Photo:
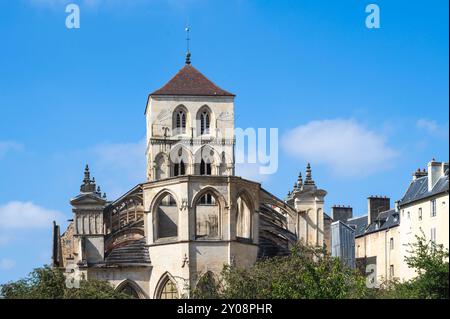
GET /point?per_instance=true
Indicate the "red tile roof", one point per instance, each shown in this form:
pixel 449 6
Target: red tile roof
pixel 189 81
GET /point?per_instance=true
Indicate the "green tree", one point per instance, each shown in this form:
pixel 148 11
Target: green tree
pixel 430 261
pixel 306 273
pixel 49 283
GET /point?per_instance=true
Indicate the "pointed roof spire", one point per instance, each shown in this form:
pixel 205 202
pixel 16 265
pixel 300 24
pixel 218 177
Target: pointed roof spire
pixel 188 51
pixel 308 179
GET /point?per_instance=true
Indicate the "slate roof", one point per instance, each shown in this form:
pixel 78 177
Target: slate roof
pixel 418 189
pixel 135 252
pixel 359 223
pixel 385 220
pixel 189 81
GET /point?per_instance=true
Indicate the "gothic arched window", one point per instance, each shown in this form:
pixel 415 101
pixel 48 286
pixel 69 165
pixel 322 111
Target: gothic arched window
pixel 130 291
pixel 180 122
pixel 243 218
pixel 166 218
pixel 207 217
pixel 169 290
pixel 205 168
pixel 179 168
pixel 205 119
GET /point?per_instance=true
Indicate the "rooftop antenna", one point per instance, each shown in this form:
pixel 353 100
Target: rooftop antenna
pixel 188 52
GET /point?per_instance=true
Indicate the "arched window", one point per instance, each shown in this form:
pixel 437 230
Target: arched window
pixel 206 287
pixel 179 159
pixel 204 122
pixel 243 218
pixel 180 122
pixel 168 290
pixel 160 167
pixel 179 168
pixel 129 290
pixel 205 168
pixel 180 116
pixel 207 217
pixel 204 159
pixel 166 218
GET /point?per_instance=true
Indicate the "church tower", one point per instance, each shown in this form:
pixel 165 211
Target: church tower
pixel 190 127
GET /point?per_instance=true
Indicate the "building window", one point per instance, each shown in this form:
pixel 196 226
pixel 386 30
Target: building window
pixel 420 213
pixel 166 218
pixel 207 199
pixel 391 243
pixel 180 122
pixel 243 218
pixel 179 168
pixel 204 122
pixel 433 208
pixel 207 217
pixel 130 291
pixel 408 215
pixel 391 271
pixel 169 291
pixel 205 168
pixel 433 234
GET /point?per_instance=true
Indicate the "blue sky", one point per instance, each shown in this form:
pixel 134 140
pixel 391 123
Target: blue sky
pixel 367 107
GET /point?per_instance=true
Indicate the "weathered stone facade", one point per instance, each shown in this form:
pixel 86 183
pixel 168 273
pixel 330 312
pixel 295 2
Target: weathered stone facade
pixel 192 216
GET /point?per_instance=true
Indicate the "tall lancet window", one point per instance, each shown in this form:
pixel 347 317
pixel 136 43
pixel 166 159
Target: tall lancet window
pixel 205 168
pixel 179 169
pixel 179 166
pixel 204 122
pixel 179 120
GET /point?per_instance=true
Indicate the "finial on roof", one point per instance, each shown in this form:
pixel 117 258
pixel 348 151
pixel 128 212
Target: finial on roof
pixel 88 185
pixel 308 179
pixel 87 177
pixel 299 180
pixel 188 51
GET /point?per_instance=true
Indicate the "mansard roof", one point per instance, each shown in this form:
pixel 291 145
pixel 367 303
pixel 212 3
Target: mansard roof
pixel 385 220
pixel 191 82
pixel 418 189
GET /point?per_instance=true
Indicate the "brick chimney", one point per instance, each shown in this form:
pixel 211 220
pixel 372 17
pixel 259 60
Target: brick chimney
pixel 342 213
pixel 419 173
pixel 376 205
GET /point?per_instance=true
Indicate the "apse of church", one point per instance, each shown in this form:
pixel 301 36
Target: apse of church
pixel 192 215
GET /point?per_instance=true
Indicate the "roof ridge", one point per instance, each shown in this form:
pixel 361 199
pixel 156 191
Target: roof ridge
pixel 190 81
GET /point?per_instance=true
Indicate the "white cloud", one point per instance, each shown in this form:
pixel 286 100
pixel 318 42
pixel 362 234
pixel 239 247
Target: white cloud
pixel 9 146
pixel 432 127
pixel 7 264
pixel 346 147
pixel 26 215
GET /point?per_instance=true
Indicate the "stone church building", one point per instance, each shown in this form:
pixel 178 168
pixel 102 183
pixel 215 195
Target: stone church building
pixel 192 215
